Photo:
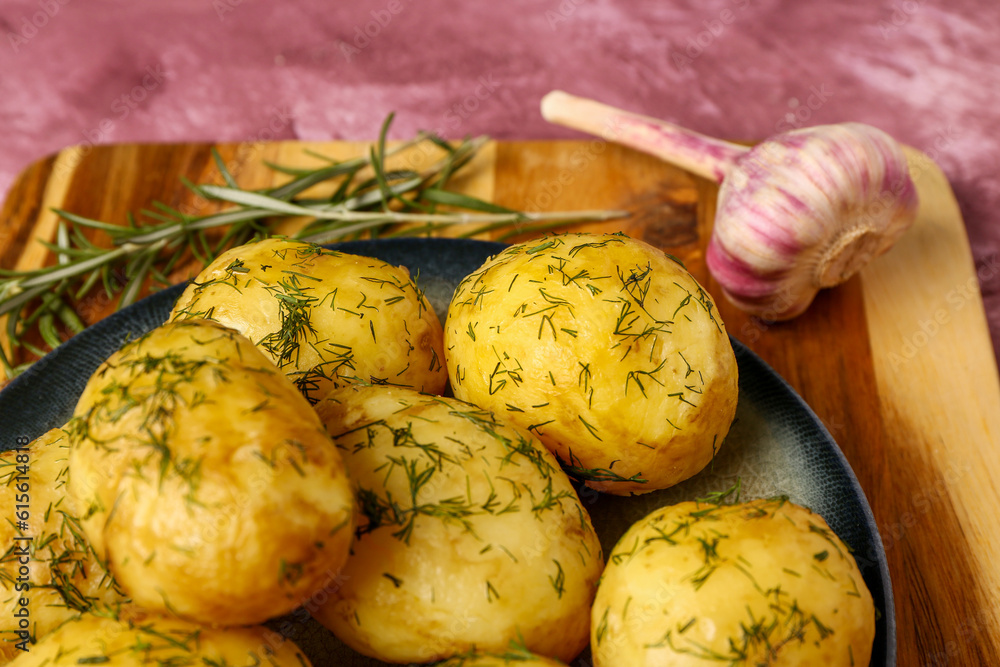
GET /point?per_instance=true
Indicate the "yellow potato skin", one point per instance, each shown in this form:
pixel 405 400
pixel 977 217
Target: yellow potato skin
pixel 471 536
pixel 205 480
pixel 764 582
pixel 606 349
pixel 517 658
pixel 64 576
pixel 140 639
pixel 325 318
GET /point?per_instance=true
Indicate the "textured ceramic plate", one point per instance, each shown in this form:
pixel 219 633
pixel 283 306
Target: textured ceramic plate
pixel 776 446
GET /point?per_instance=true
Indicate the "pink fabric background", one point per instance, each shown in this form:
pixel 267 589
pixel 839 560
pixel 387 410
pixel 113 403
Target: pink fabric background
pixel 928 72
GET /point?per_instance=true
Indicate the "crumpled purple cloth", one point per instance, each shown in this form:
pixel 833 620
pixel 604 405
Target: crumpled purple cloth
pixel 97 71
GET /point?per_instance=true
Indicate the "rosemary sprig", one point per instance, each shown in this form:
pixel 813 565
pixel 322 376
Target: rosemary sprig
pixel 370 200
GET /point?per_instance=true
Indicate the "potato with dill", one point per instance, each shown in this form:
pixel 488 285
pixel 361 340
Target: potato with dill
pixel 325 318
pixel 515 657
pixel 205 480
pixel 124 640
pixel 48 573
pixel 606 349
pixel 763 582
pixel 470 535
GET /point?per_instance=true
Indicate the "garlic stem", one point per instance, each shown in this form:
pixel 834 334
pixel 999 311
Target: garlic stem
pixel 705 156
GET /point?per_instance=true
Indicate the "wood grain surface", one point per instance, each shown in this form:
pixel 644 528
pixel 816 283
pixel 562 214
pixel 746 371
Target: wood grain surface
pixel 896 362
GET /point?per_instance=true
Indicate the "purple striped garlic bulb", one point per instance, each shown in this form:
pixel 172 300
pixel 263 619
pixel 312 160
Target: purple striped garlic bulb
pixel 801 211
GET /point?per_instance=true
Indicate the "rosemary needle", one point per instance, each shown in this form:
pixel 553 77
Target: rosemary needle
pixel 404 202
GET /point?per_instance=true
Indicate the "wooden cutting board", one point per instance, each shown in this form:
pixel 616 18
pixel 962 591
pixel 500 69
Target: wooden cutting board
pixel 897 362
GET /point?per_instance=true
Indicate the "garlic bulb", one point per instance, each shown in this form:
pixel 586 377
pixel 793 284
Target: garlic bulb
pixel 802 211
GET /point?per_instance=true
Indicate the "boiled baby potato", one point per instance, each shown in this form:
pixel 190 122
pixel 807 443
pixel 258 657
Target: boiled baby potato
pixel 515 657
pixel 470 535
pixel 761 583
pixel 138 639
pixel 48 573
pixel 205 480
pixel 606 349
pixel 325 318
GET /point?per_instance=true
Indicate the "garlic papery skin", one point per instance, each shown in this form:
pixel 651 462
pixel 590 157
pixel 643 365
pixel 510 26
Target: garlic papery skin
pixel 707 157
pixel 802 211
pixel 807 210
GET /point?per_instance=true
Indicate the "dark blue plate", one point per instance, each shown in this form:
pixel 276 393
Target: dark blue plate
pixel 776 446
